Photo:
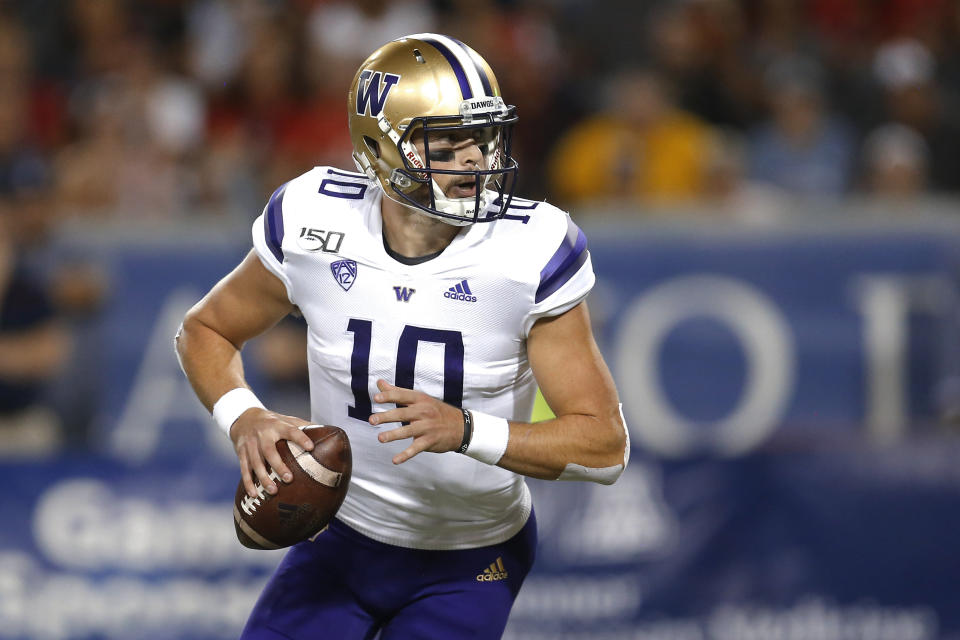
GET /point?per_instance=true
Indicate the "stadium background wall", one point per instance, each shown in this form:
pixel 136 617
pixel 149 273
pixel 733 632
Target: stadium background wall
pixel 793 471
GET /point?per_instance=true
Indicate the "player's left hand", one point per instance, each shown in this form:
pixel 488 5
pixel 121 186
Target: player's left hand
pixel 434 425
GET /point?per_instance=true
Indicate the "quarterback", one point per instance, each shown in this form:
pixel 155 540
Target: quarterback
pixel 436 304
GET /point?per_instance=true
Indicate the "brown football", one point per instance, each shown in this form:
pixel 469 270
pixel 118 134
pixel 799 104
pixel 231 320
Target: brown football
pixel 303 507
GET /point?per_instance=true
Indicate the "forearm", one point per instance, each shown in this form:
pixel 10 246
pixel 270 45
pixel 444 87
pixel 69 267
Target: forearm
pixel 588 440
pixel 211 363
pixel 243 305
pixel 547 449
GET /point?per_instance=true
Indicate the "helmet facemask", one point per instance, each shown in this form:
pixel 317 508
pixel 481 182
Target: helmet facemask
pixel 415 185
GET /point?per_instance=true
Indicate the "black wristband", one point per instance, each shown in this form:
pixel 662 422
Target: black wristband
pixel 467 431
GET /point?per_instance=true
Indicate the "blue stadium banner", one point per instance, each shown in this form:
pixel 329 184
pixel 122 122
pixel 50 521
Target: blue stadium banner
pixel 793 471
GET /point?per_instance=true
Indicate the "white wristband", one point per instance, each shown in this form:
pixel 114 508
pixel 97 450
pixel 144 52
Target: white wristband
pixel 228 408
pixel 489 440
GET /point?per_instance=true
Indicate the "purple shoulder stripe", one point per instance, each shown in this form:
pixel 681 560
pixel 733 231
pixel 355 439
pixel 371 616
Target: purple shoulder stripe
pixel 273 223
pixel 566 261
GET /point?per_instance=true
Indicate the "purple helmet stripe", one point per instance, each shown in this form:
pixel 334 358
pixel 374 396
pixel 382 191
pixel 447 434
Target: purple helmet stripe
pixel 273 223
pixel 566 261
pixel 457 67
pixel 484 80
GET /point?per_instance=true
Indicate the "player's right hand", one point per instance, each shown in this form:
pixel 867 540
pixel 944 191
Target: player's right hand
pixel 255 435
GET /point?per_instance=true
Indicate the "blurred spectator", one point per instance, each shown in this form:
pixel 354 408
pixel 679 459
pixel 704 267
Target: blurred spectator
pixel 905 69
pixel 318 135
pixel 34 342
pixel 218 43
pixel 14 52
pixel 729 194
pixel 895 160
pixel 699 45
pixel 161 110
pixel 351 30
pixel 140 128
pixel 21 164
pixel 802 149
pixel 43 299
pixel 865 20
pixel 641 147
pixel 101 29
pixel 216 40
pixel 79 287
pixel 88 168
pixel 277 118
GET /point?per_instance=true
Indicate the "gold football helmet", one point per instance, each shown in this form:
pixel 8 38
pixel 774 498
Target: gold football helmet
pixel 426 83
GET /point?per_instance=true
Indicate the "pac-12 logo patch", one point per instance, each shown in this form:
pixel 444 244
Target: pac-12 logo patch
pixel 345 272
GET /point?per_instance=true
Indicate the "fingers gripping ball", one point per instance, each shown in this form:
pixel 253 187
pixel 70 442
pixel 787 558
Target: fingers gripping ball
pixel 304 506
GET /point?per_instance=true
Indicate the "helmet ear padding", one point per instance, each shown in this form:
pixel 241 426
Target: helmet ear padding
pixel 372 145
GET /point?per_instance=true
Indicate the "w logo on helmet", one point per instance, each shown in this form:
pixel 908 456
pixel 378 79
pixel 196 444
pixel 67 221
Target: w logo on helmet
pixel 372 90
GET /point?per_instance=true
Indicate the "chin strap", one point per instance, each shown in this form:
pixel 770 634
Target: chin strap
pixel 462 208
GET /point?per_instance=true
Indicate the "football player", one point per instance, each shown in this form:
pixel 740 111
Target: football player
pixel 436 304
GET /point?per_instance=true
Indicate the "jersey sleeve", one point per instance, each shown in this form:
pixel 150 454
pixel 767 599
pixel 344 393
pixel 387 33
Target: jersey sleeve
pixel 268 235
pixel 565 279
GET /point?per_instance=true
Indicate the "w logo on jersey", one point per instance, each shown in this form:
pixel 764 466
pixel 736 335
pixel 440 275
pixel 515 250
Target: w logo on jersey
pixel 372 90
pixel 404 293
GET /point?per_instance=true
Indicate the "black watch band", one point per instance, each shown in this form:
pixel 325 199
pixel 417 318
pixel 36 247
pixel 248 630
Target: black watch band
pixel 467 431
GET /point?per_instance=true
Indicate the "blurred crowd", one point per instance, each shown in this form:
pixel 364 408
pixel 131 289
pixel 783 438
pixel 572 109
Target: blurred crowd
pixel 167 111
pixel 740 106
pixel 170 109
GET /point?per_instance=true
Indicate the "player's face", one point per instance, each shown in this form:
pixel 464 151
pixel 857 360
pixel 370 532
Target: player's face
pixel 459 150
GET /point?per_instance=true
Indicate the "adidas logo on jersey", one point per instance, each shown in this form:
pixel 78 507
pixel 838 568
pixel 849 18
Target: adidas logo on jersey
pixel 496 571
pixel 460 292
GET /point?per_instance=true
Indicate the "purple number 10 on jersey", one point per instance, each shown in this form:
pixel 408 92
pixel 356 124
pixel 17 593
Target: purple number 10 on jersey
pixel 409 342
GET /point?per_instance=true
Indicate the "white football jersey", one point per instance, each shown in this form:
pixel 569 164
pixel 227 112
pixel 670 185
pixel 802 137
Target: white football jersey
pixel 454 327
